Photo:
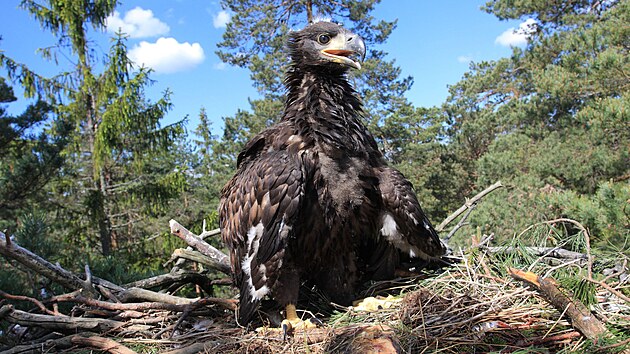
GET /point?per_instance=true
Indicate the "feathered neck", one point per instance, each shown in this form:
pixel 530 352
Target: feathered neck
pixel 324 104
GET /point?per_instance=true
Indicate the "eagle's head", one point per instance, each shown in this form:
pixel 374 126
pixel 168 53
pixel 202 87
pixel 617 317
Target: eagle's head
pixel 328 46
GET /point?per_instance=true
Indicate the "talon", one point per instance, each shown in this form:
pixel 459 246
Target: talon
pixel 316 322
pixel 286 328
pixel 291 324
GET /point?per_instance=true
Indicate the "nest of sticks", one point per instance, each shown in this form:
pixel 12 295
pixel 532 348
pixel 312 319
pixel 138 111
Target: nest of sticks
pixel 475 305
pixel 489 299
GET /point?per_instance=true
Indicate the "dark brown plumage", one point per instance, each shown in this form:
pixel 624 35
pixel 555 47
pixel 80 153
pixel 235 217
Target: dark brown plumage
pixel 313 199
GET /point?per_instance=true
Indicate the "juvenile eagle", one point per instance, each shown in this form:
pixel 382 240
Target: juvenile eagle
pixel 313 198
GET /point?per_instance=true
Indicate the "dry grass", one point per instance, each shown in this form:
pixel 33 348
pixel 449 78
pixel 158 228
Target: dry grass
pixel 472 306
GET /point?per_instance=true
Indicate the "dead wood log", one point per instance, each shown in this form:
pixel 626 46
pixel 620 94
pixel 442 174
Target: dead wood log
pixel 67 342
pixel 194 256
pixel 578 314
pixel 144 306
pixel 105 344
pixel 219 260
pixel 64 323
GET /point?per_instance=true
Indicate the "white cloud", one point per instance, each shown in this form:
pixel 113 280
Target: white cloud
pixel 517 37
pixel 221 19
pixel 137 23
pixel 464 58
pixel 220 66
pixel 167 55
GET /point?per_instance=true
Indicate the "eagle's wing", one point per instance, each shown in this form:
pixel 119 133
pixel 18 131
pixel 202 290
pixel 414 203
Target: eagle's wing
pixel 403 223
pixel 257 213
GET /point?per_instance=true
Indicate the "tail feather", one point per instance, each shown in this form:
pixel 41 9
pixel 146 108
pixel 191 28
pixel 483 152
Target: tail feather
pixel 247 307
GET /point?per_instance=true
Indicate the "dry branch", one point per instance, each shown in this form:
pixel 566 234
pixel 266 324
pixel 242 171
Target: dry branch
pixel 67 342
pixel 194 256
pixel 539 251
pixel 26 298
pixel 132 294
pixel 469 203
pixel 581 318
pixel 62 322
pixel 612 290
pixel 219 260
pixel 144 306
pixel 56 273
pixel 192 349
pixel 105 344
pixel 547 339
pixel 163 280
pixel 11 250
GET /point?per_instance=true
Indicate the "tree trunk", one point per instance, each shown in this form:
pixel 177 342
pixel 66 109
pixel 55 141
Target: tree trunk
pixel 309 11
pixel 99 204
pixel 104 224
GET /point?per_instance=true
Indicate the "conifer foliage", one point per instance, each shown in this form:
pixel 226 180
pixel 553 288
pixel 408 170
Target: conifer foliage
pixel 116 172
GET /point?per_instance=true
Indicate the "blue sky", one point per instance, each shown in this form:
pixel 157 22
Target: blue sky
pixel 434 43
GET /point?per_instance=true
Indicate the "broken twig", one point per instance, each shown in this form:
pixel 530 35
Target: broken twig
pixel 469 203
pixel 580 316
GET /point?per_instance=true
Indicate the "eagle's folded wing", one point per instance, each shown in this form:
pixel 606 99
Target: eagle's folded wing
pixel 258 208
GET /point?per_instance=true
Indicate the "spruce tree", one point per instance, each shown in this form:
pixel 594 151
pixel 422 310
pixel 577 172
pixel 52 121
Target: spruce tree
pixel 28 159
pixel 112 180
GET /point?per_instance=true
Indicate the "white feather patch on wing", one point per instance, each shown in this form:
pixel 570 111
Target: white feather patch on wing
pixel 253 242
pixel 389 230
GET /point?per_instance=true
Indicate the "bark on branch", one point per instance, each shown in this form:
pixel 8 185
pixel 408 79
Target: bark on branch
pixel 579 315
pixel 217 259
pixel 83 339
pixel 11 250
pixel 64 323
pixel 56 273
pixel 144 306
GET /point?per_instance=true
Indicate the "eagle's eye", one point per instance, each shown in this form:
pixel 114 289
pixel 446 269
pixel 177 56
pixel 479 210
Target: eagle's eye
pixel 323 39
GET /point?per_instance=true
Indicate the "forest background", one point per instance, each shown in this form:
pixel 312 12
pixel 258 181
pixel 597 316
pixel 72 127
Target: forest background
pixel 90 174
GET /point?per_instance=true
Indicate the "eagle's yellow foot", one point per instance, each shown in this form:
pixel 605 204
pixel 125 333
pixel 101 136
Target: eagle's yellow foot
pixel 293 322
pixel 290 324
pixel 371 304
